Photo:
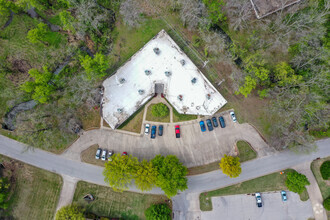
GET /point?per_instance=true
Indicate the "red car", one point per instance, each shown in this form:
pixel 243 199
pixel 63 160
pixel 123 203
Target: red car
pixel 177 131
pixel 124 154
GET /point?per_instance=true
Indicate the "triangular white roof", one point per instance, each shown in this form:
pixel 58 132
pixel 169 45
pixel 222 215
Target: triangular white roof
pixel 122 97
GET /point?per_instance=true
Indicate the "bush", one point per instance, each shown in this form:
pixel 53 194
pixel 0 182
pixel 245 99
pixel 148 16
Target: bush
pixel 326 203
pixel 296 182
pixel 72 211
pixel 325 170
pixel 160 110
pixel 158 212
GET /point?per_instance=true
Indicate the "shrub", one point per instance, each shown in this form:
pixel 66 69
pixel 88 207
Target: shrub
pixel 95 67
pixel 326 203
pixel 70 212
pixel 158 212
pixel 325 170
pixel 296 182
pixel 160 110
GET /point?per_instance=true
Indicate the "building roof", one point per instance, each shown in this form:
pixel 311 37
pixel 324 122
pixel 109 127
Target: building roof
pixel 263 8
pixel 160 65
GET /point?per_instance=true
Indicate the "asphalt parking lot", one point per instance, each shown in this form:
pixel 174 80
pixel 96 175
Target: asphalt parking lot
pixel 238 207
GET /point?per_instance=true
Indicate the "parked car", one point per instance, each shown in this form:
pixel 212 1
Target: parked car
pixel 160 130
pixel 177 131
pixel 215 122
pixel 222 122
pixel 283 194
pixel 153 132
pixel 258 198
pixel 98 153
pixel 104 155
pixel 146 130
pixel 124 154
pixel 202 124
pixel 233 117
pixel 209 125
pixel 110 153
pixel 162 95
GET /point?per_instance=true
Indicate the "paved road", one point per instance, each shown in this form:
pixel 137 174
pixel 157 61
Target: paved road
pixel 198 183
pixel 244 207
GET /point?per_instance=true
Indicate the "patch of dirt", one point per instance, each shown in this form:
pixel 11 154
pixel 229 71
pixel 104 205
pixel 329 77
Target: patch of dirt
pixel 90 44
pixel 72 39
pixel 20 70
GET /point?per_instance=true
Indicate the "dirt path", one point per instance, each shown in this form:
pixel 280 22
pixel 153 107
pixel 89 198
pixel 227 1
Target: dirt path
pixel 313 191
pixel 67 192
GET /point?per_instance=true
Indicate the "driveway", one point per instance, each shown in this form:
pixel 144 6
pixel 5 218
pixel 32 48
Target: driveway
pixel 194 148
pixel 244 207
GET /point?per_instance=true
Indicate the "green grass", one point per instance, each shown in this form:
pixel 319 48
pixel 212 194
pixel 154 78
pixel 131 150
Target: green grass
pixel 271 182
pixel 134 122
pixel 245 151
pixel 108 203
pixel 35 192
pixel 151 117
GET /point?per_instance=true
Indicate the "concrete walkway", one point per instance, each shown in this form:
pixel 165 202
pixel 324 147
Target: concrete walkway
pixel 67 191
pixel 313 191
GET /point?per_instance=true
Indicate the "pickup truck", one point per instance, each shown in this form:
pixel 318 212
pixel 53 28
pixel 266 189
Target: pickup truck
pixel 177 131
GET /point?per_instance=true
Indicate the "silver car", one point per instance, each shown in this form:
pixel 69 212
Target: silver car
pixel 147 129
pixel 104 155
pixel 233 117
pixel 98 153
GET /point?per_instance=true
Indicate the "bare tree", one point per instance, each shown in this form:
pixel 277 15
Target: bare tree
pixel 239 13
pixel 131 12
pixel 193 13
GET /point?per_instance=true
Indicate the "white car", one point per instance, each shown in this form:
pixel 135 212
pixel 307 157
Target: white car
pixel 147 129
pixel 258 198
pixel 233 117
pixel 104 155
pixel 98 153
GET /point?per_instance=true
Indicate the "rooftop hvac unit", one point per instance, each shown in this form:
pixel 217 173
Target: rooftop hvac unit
pixel 183 62
pixel 168 73
pixel 156 50
pixel 120 110
pixel 194 80
pixel 147 72
pixel 208 96
pixel 141 91
pixel 180 97
pixel 122 80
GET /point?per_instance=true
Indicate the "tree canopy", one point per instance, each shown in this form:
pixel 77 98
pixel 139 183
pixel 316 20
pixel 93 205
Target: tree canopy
pixel 160 110
pixel 230 166
pixel 325 170
pixel 4 192
pixel 158 212
pixel 171 174
pixel 296 182
pixel 95 67
pixel 72 211
pixel 120 172
pixel 145 176
pixel 38 34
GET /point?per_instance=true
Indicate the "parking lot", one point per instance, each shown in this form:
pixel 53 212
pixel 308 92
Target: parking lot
pixel 273 208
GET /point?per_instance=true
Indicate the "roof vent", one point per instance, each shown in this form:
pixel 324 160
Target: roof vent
pixel 122 80
pixel 156 50
pixel 120 110
pixel 168 73
pixel 194 80
pixel 183 62
pixel 180 97
pixel 141 91
pixel 208 96
pixel 147 72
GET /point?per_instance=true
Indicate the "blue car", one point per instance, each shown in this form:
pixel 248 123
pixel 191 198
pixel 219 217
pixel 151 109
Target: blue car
pixel 160 130
pixel 153 132
pixel 209 125
pixel 215 122
pixel 202 124
pixel 222 122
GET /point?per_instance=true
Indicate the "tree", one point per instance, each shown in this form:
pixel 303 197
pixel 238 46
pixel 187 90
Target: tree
pixel 215 10
pixel 325 170
pixel 296 182
pixel 95 67
pixel 230 166
pixel 131 12
pixel 193 13
pixel 120 172
pixel 171 174
pixel 72 211
pixel 285 75
pixel 326 203
pixel 41 88
pixel 7 6
pixel 146 176
pixel 67 21
pixel 4 192
pixel 158 212
pixel 38 34
pixel 159 110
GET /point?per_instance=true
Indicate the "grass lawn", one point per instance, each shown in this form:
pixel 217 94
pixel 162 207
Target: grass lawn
pixel 88 156
pixel 108 203
pixel 271 182
pixel 150 117
pixel 177 117
pixel 35 192
pixel 323 184
pixel 90 118
pixel 245 151
pixel 134 122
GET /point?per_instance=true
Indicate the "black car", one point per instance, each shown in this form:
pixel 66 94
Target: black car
pixel 160 130
pixel 153 132
pixel 215 122
pixel 209 125
pixel 222 122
